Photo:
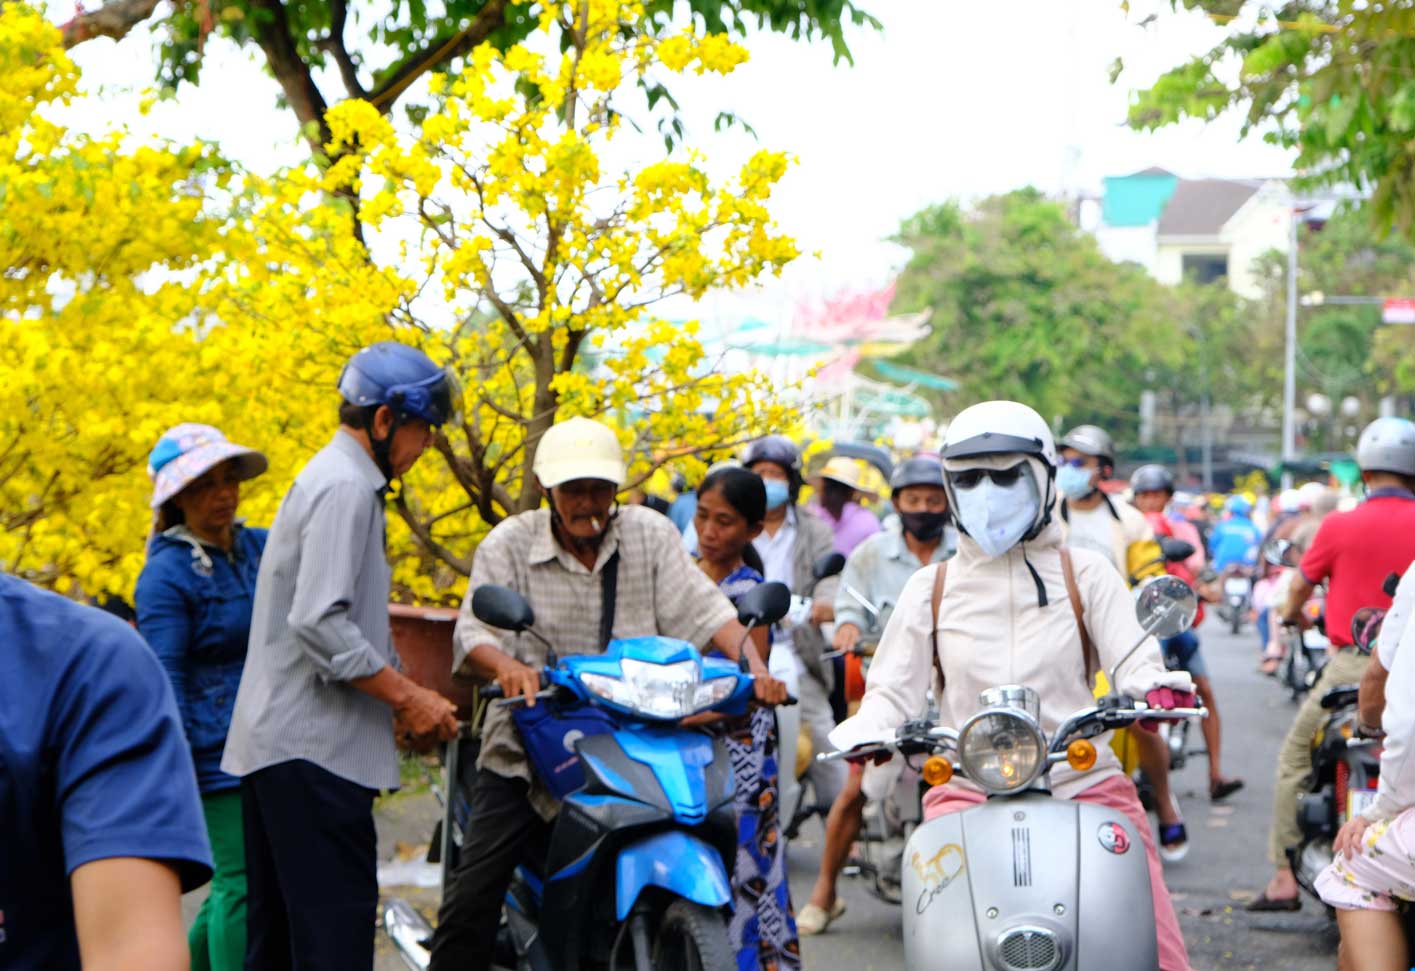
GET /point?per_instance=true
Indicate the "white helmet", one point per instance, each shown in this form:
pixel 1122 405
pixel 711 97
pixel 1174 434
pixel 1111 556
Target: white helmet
pixel 1002 428
pixel 579 448
pixel 1289 500
pixel 997 427
pixel 1387 445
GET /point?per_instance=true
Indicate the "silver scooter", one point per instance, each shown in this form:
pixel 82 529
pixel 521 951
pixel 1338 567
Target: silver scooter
pixel 1027 882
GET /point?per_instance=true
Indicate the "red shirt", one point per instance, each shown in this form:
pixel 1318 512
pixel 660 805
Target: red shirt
pixel 1355 551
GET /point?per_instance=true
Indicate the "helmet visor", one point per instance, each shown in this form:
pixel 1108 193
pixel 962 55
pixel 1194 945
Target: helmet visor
pixel 437 399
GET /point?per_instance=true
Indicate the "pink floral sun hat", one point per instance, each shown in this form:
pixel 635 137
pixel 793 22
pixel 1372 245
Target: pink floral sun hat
pixel 186 451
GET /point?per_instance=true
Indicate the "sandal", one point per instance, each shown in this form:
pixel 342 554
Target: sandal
pixel 1224 788
pixel 814 920
pixel 1263 904
pixel 1270 664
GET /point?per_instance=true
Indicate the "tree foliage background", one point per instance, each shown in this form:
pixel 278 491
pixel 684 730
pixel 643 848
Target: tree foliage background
pixel 492 231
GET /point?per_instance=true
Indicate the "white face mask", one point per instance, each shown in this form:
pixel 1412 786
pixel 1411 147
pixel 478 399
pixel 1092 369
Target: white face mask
pixel 997 517
pixel 1074 483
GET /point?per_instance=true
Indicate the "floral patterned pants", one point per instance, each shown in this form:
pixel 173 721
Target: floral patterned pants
pixel 1383 873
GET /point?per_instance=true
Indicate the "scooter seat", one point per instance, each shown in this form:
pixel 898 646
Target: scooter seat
pixel 1340 696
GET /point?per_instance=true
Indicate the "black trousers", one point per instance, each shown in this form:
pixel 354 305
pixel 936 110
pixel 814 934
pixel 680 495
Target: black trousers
pixel 503 831
pixel 311 870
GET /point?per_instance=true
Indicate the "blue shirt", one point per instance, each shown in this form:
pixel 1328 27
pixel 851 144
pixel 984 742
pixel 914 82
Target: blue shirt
pixel 93 765
pixel 194 610
pixel 683 509
pixel 1234 540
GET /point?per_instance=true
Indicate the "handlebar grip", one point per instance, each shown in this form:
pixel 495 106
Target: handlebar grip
pixel 790 700
pixel 491 691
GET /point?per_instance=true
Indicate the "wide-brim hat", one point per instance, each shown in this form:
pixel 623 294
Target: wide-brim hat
pixel 186 452
pixel 842 470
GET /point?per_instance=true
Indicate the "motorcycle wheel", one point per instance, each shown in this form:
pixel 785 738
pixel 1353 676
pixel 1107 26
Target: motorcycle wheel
pixel 1235 621
pixel 692 937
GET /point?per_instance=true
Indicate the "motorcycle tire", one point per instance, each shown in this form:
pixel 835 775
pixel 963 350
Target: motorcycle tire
pixel 692 937
pixel 1235 621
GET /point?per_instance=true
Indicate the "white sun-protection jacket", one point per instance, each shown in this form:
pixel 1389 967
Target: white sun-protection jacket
pixel 992 632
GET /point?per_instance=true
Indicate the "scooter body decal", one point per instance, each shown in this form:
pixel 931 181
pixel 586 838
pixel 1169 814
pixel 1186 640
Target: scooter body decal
pixel 1113 837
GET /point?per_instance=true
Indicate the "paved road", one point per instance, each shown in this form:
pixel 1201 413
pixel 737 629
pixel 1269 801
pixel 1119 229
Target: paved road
pixel 1226 863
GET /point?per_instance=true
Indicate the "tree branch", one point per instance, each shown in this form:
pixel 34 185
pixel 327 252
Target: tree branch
pixel 110 20
pixel 439 50
pixel 272 33
pixel 461 564
pixel 334 45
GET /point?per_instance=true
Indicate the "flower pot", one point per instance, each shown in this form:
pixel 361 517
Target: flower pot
pixel 422 636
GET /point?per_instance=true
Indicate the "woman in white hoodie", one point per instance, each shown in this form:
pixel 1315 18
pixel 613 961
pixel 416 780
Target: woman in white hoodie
pixel 1006 616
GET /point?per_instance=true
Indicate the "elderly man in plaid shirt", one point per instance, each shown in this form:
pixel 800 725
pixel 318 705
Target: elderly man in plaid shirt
pixel 559 558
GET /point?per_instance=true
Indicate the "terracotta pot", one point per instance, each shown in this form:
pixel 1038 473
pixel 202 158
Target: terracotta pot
pixel 422 636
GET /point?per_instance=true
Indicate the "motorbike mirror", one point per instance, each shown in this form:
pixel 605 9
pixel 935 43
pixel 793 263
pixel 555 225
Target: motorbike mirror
pixel 1366 628
pixel 502 607
pixel 1166 606
pixel 1175 550
pixel 828 566
pixel 1280 552
pixel 766 603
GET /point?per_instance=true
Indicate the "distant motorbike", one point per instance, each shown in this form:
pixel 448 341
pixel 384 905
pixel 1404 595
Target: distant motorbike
pixel 1026 881
pixel 1305 644
pixel 638 873
pixel 1237 602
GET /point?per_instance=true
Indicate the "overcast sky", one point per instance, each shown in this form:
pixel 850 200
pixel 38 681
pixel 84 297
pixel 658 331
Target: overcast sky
pixel 951 100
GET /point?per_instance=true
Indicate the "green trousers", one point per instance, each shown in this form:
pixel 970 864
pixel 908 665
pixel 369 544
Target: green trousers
pixel 1294 760
pixel 218 938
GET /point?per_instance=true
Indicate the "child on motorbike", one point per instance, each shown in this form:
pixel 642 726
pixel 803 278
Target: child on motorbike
pixel 1015 607
pixel 731 508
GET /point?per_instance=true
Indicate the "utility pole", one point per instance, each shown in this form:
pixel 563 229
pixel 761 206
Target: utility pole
pixel 1289 381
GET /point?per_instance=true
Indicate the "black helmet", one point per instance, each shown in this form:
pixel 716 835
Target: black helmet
pixel 773 448
pixel 1152 478
pixel 919 470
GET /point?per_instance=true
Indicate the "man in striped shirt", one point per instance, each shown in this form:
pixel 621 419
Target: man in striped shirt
pixel 312 734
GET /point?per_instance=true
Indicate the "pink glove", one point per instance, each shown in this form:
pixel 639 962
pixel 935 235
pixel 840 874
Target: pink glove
pixel 1166 698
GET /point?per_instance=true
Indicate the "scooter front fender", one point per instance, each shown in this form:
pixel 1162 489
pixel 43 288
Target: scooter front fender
pixel 1028 882
pixel 676 861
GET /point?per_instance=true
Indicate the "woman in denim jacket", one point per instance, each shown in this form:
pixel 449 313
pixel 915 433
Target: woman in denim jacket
pixel 194 601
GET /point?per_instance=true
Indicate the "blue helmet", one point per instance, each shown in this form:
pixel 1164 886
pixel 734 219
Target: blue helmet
pixel 402 377
pixel 1238 505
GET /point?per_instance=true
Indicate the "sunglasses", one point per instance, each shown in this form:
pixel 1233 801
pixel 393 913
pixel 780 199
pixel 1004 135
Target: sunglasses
pixel 1079 462
pixel 969 478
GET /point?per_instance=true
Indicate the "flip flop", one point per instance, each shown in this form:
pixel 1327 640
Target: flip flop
pixel 1224 789
pixel 814 920
pixel 1264 904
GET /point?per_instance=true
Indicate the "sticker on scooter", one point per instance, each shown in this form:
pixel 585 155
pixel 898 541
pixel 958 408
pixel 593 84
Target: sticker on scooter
pixel 1114 838
pixel 937 872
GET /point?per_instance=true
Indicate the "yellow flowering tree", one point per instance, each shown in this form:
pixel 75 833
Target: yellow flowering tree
pixel 147 285
pixel 500 241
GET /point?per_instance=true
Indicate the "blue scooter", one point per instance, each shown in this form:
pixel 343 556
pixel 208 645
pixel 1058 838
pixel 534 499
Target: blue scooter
pixel 638 873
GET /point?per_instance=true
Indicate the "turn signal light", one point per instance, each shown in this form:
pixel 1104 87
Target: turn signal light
pixel 1081 755
pixel 937 770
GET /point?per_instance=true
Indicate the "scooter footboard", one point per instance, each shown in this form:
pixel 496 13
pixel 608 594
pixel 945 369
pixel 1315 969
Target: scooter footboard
pixel 1029 883
pixel 676 861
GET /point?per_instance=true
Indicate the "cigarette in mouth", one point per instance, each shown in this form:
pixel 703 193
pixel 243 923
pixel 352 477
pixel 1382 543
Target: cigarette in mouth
pixel 594 521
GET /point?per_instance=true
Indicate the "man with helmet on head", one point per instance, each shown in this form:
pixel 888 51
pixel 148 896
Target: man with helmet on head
pixel 1015 606
pixel 594 571
pixel 792 539
pixel 313 732
pixel 1120 533
pixel 877 571
pixel 1353 553
pixel 1151 488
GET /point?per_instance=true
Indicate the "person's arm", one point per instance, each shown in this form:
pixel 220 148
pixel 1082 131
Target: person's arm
pixel 478 651
pixel 128 916
pixel 166 624
pixel 901 671
pixel 1315 567
pixel 1299 589
pixel 858 566
pixel 1396 792
pixel 1372 698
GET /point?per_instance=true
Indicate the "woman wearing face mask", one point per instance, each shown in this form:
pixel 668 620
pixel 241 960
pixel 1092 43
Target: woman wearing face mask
pixel 1005 616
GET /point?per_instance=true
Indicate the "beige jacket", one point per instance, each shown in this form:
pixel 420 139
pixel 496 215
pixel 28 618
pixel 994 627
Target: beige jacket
pixel 1133 545
pixel 992 632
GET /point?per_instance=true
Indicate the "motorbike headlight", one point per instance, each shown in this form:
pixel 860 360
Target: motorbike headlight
pixel 1001 749
pixel 666 691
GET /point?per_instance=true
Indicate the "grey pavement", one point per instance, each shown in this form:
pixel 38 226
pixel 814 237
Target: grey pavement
pixel 1226 864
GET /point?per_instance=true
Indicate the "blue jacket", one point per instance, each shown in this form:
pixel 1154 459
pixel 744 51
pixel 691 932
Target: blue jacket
pixel 194 610
pixel 1234 540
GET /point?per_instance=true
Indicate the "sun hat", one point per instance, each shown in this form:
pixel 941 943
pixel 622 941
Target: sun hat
pixel 186 451
pixel 843 470
pixel 579 448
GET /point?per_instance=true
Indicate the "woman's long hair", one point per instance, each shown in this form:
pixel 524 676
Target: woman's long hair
pixel 746 494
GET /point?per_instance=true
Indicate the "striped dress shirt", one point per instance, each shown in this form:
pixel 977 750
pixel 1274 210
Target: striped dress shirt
pixel 320 620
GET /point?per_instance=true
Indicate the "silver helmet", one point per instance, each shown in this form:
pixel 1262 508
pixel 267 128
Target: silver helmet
pixel 1387 445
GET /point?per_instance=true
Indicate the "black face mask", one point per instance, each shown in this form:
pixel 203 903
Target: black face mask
pixel 923 526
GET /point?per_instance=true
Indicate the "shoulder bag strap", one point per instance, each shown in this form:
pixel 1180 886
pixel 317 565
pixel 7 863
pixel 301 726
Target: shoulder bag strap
pixel 608 588
pixel 1088 649
pixel 940 575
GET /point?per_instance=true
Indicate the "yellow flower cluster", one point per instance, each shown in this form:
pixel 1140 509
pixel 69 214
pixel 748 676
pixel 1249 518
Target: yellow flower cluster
pixel 150 284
